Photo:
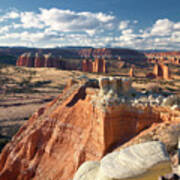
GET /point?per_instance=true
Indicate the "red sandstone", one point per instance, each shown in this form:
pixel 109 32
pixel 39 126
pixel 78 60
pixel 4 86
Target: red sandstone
pixel 70 130
pixel 98 66
pixel 161 70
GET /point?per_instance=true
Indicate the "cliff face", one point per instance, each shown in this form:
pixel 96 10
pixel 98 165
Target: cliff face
pixel 98 66
pixel 161 70
pixel 46 60
pixel 111 53
pixel 83 123
pixel 168 57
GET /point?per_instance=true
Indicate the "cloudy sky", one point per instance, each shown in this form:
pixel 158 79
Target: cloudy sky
pixel 139 24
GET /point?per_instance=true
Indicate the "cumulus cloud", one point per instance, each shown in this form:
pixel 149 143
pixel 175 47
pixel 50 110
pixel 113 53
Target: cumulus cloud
pixel 123 25
pixel 9 15
pixel 4 29
pixel 163 34
pixel 57 27
pixel 66 20
pixel 31 20
pixel 162 27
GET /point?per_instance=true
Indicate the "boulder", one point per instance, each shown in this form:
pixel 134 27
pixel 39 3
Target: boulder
pixel 87 171
pixel 138 162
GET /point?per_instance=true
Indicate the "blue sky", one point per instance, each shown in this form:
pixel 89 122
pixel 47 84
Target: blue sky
pixel 138 24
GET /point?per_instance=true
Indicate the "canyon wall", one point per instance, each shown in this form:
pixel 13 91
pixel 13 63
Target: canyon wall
pixel 161 71
pixel 172 57
pixel 46 60
pixel 98 65
pixel 85 122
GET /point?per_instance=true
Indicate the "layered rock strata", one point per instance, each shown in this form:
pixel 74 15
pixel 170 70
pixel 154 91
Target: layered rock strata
pixel 98 66
pixel 89 119
pixel 162 71
pixel 41 60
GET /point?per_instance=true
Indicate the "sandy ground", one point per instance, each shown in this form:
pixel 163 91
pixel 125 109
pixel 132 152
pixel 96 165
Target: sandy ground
pixel 24 90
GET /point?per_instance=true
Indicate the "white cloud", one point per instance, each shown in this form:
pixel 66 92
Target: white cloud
pixel 71 21
pixel 31 20
pixel 135 21
pixel 177 26
pixel 9 15
pixel 123 25
pixel 13 15
pixel 4 29
pixel 57 27
pixel 127 31
pixel 162 27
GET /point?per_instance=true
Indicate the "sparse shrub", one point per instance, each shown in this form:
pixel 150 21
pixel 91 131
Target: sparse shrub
pixel 172 100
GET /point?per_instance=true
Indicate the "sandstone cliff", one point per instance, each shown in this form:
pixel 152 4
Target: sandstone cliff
pixel 47 60
pixel 161 71
pixel 98 65
pixel 87 120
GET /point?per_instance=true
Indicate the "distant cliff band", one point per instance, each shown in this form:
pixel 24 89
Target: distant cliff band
pixel 49 60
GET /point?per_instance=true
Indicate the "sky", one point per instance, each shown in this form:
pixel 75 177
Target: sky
pixel 137 24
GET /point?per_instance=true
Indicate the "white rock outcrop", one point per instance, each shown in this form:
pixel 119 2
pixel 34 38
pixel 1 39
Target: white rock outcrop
pixel 146 161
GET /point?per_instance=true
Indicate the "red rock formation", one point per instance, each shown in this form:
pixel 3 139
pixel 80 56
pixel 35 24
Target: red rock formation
pixel 26 59
pixel 22 60
pixel 29 60
pixel 39 60
pixel 98 66
pixel 87 65
pixel 70 130
pixel 164 57
pixel 161 70
pixel 49 61
pixel 111 53
pixel 131 72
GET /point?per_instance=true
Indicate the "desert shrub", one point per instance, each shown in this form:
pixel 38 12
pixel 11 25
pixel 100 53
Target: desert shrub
pixel 172 100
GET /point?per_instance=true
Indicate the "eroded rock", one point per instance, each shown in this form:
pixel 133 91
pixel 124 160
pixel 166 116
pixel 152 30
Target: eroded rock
pixel 138 162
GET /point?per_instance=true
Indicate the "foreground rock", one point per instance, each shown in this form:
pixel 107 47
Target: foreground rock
pixel 139 162
pixel 88 120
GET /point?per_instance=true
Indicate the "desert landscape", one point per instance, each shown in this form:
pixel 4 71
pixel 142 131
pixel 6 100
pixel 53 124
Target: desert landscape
pixel 89 90
pixel 35 96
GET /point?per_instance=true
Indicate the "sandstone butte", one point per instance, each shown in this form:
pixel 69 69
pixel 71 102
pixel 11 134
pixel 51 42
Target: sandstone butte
pixel 83 123
pixel 161 70
pixel 98 66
